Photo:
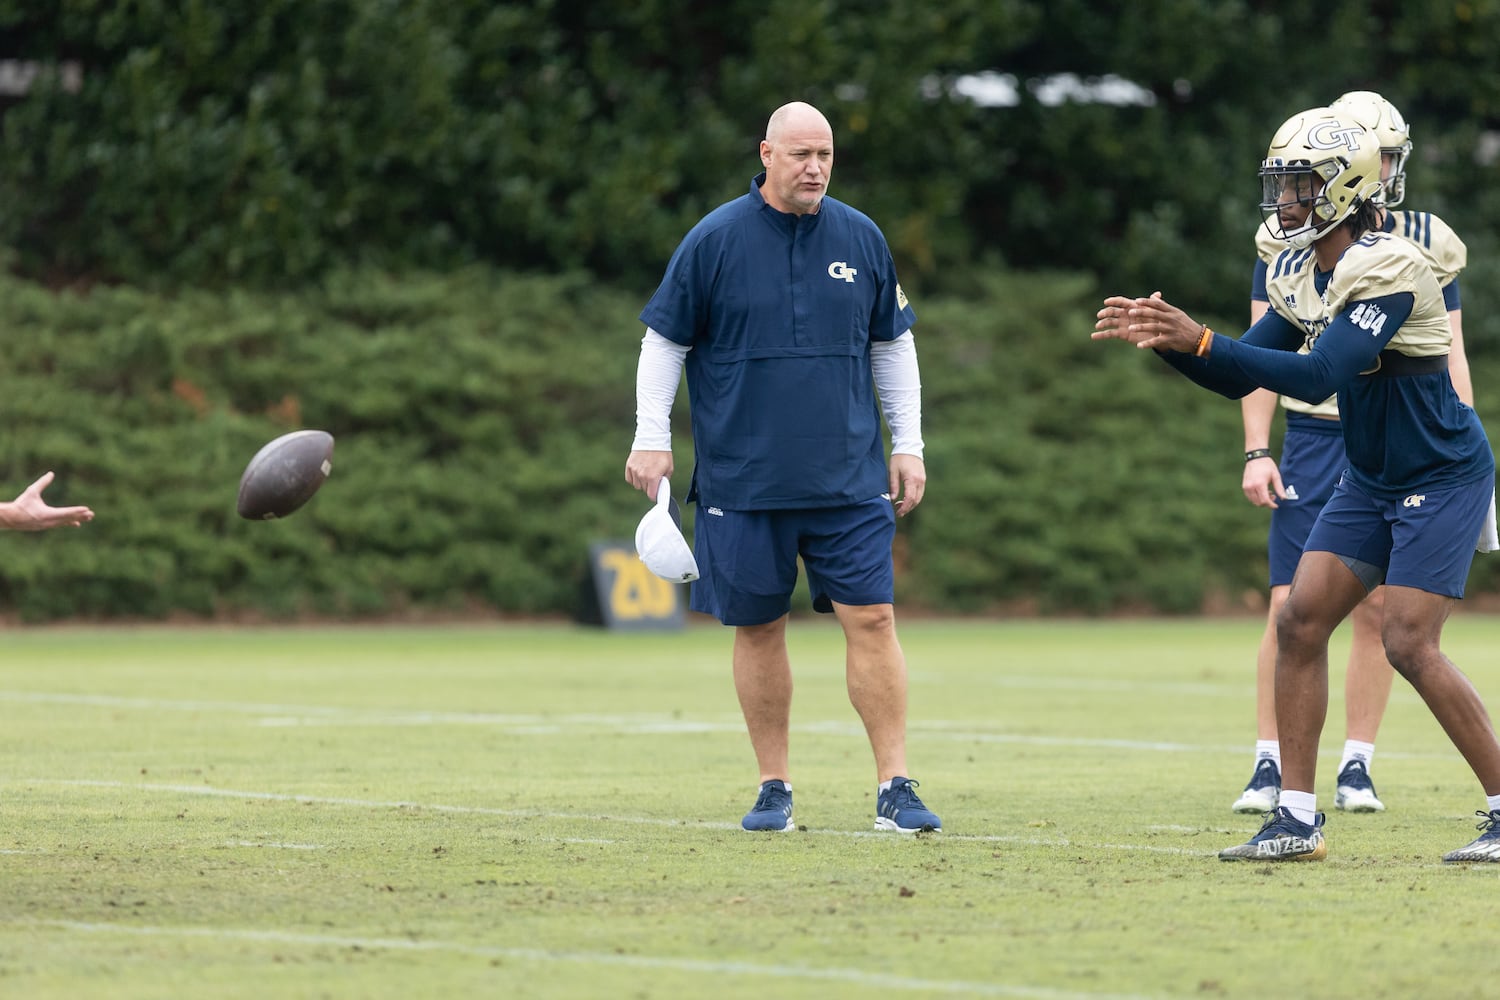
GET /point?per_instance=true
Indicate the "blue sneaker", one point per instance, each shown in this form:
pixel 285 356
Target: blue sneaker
pixel 1486 847
pixel 1283 837
pixel 1263 791
pixel 1355 791
pixel 772 810
pixel 899 809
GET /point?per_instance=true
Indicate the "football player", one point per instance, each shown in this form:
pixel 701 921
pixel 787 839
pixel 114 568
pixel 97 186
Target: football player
pixel 1356 311
pixel 1312 457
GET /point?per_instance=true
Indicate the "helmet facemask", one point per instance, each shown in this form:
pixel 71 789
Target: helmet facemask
pixel 1299 183
pixel 1393 191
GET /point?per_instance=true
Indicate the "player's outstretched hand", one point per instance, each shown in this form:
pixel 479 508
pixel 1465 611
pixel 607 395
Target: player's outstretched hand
pixel 1149 323
pixel 29 512
pixel 1113 321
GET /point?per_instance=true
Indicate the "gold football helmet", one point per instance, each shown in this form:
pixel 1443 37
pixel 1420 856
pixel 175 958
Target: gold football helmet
pixel 1325 161
pixel 1379 115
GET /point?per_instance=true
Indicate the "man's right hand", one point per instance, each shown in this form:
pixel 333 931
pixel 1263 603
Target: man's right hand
pixel 646 469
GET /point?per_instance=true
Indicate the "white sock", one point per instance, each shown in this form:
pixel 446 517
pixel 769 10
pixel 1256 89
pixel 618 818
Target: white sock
pixel 885 786
pixel 1492 801
pixel 1268 750
pixel 1355 750
pixel 1302 805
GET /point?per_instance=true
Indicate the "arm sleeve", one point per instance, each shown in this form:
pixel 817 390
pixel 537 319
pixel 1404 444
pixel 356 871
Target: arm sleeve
pixel 1266 356
pixel 1451 298
pixel 657 376
pixel 1258 282
pixel 899 386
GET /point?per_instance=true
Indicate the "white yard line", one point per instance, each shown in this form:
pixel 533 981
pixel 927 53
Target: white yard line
pixel 538 814
pixel 637 724
pixel 717 969
pixel 277 844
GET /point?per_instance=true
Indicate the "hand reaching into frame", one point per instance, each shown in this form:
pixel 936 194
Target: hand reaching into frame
pixel 29 512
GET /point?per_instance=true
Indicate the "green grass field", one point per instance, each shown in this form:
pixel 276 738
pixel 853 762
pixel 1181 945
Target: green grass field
pixel 553 812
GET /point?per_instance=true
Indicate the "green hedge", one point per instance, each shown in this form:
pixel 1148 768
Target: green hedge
pixel 169 144
pixel 481 425
pixel 483 419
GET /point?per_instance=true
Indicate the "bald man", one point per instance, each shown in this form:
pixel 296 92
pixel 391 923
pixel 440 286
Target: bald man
pixel 784 308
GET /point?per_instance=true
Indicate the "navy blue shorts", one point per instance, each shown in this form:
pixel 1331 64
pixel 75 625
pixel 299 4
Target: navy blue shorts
pixel 1425 540
pixel 748 559
pixel 1312 460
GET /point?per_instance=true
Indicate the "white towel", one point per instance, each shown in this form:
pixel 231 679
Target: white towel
pixel 1489 538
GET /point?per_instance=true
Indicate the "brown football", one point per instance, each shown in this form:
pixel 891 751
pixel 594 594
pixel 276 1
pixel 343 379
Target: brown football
pixel 285 474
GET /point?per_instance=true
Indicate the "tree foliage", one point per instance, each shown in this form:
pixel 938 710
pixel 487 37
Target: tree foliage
pixel 482 421
pixel 270 142
pixel 292 212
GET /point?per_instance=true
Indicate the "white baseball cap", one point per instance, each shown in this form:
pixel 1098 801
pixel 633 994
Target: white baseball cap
pixel 659 541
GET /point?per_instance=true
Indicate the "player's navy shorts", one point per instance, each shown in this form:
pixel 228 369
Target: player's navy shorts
pixel 1312 459
pixel 748 559
pixel 1424 540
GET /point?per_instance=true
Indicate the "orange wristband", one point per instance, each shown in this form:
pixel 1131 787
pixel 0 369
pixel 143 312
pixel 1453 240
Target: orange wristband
pixel 1204 339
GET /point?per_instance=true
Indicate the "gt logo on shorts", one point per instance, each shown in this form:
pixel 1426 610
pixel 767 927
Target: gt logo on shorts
pixel 842 271
pixel 1415 500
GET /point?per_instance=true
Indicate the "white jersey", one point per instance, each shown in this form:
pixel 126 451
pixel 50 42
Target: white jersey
pixel 1374 265
pixel 1437 244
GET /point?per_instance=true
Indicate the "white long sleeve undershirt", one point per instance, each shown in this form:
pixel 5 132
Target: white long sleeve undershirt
pixel 657 377
pixel 893 365
pixel 899 386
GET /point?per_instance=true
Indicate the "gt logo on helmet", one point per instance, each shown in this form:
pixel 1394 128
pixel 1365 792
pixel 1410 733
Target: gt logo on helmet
pixel 1333 135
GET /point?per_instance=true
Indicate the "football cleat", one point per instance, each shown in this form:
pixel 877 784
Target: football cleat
pixel 1263 791
pixel 1283 837
pixel 1485 847
pixel 1356 792
pixel 899 809
pixel 772 810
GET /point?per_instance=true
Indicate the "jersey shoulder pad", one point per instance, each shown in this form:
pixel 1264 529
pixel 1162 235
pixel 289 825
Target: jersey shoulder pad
pixel 1378 264
pixel 1266 245
pixel 1289 262
pixel 1444 251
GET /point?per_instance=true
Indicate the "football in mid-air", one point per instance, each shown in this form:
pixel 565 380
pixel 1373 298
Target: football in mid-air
pixel 285 474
